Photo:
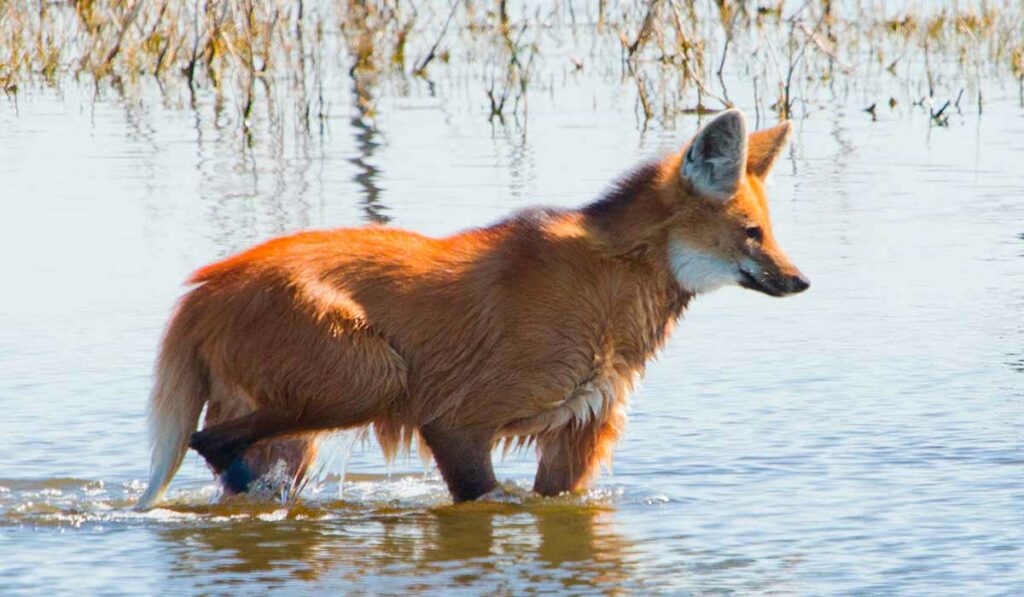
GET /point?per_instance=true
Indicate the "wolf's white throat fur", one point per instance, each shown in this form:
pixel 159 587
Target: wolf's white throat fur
pixel 698 271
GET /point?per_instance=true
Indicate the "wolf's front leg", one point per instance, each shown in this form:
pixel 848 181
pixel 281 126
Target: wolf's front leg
pixel 571 457
pixel 464 457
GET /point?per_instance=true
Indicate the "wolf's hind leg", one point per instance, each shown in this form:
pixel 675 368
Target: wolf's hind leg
pixel 323 379
pixel 224 445
pixel 297 453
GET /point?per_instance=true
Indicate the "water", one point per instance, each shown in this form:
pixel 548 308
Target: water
pixel 863 437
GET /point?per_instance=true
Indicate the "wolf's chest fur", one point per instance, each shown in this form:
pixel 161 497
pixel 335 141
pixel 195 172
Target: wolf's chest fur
pixel 591 402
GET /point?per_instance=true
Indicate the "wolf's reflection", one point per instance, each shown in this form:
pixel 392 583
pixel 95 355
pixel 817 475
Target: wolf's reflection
pixel 569 545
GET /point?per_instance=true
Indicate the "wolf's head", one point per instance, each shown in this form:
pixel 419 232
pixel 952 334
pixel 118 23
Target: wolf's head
pixel 720 232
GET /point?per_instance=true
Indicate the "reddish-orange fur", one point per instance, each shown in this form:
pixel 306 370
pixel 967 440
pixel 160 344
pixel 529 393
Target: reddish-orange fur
pixel 533 330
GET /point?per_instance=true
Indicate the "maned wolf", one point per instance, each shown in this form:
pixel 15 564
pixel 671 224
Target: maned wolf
pixel 532 330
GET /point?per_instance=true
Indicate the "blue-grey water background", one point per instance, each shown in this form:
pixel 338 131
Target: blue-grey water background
pixel 866 436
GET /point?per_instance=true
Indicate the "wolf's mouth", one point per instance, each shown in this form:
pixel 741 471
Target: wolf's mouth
pixel 751 282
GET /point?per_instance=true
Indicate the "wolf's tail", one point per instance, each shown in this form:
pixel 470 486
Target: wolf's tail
pixel 179 393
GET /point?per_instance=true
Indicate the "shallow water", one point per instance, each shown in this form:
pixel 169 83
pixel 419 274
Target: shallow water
pixel 865 436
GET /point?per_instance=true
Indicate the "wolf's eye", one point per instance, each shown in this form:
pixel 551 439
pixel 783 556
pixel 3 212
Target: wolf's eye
pixel 755 233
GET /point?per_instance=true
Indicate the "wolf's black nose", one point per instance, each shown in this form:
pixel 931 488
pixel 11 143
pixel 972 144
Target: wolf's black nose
pixel 799 283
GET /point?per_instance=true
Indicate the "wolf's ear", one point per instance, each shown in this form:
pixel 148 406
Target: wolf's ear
pixel 717 156
pixel 765 147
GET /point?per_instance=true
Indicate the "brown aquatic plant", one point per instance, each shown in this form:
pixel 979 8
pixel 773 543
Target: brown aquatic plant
pixel 240 51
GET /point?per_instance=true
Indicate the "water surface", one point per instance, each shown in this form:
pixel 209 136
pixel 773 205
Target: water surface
pixel 863 437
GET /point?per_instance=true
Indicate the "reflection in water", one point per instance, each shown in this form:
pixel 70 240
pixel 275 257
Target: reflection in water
pixel 553 545
pixel 521 166
pixel 256 186
pixel 366 144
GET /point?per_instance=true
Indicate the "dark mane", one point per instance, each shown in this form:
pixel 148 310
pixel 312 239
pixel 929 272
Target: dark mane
pixel 622 192
pixel 530 217
pixel 619 196
pixel 536 215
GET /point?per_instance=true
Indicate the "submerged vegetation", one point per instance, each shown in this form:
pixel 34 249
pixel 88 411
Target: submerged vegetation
pixel 674 56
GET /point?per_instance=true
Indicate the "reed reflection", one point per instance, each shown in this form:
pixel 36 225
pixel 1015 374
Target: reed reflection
pixel 361 45
pixel 366 138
